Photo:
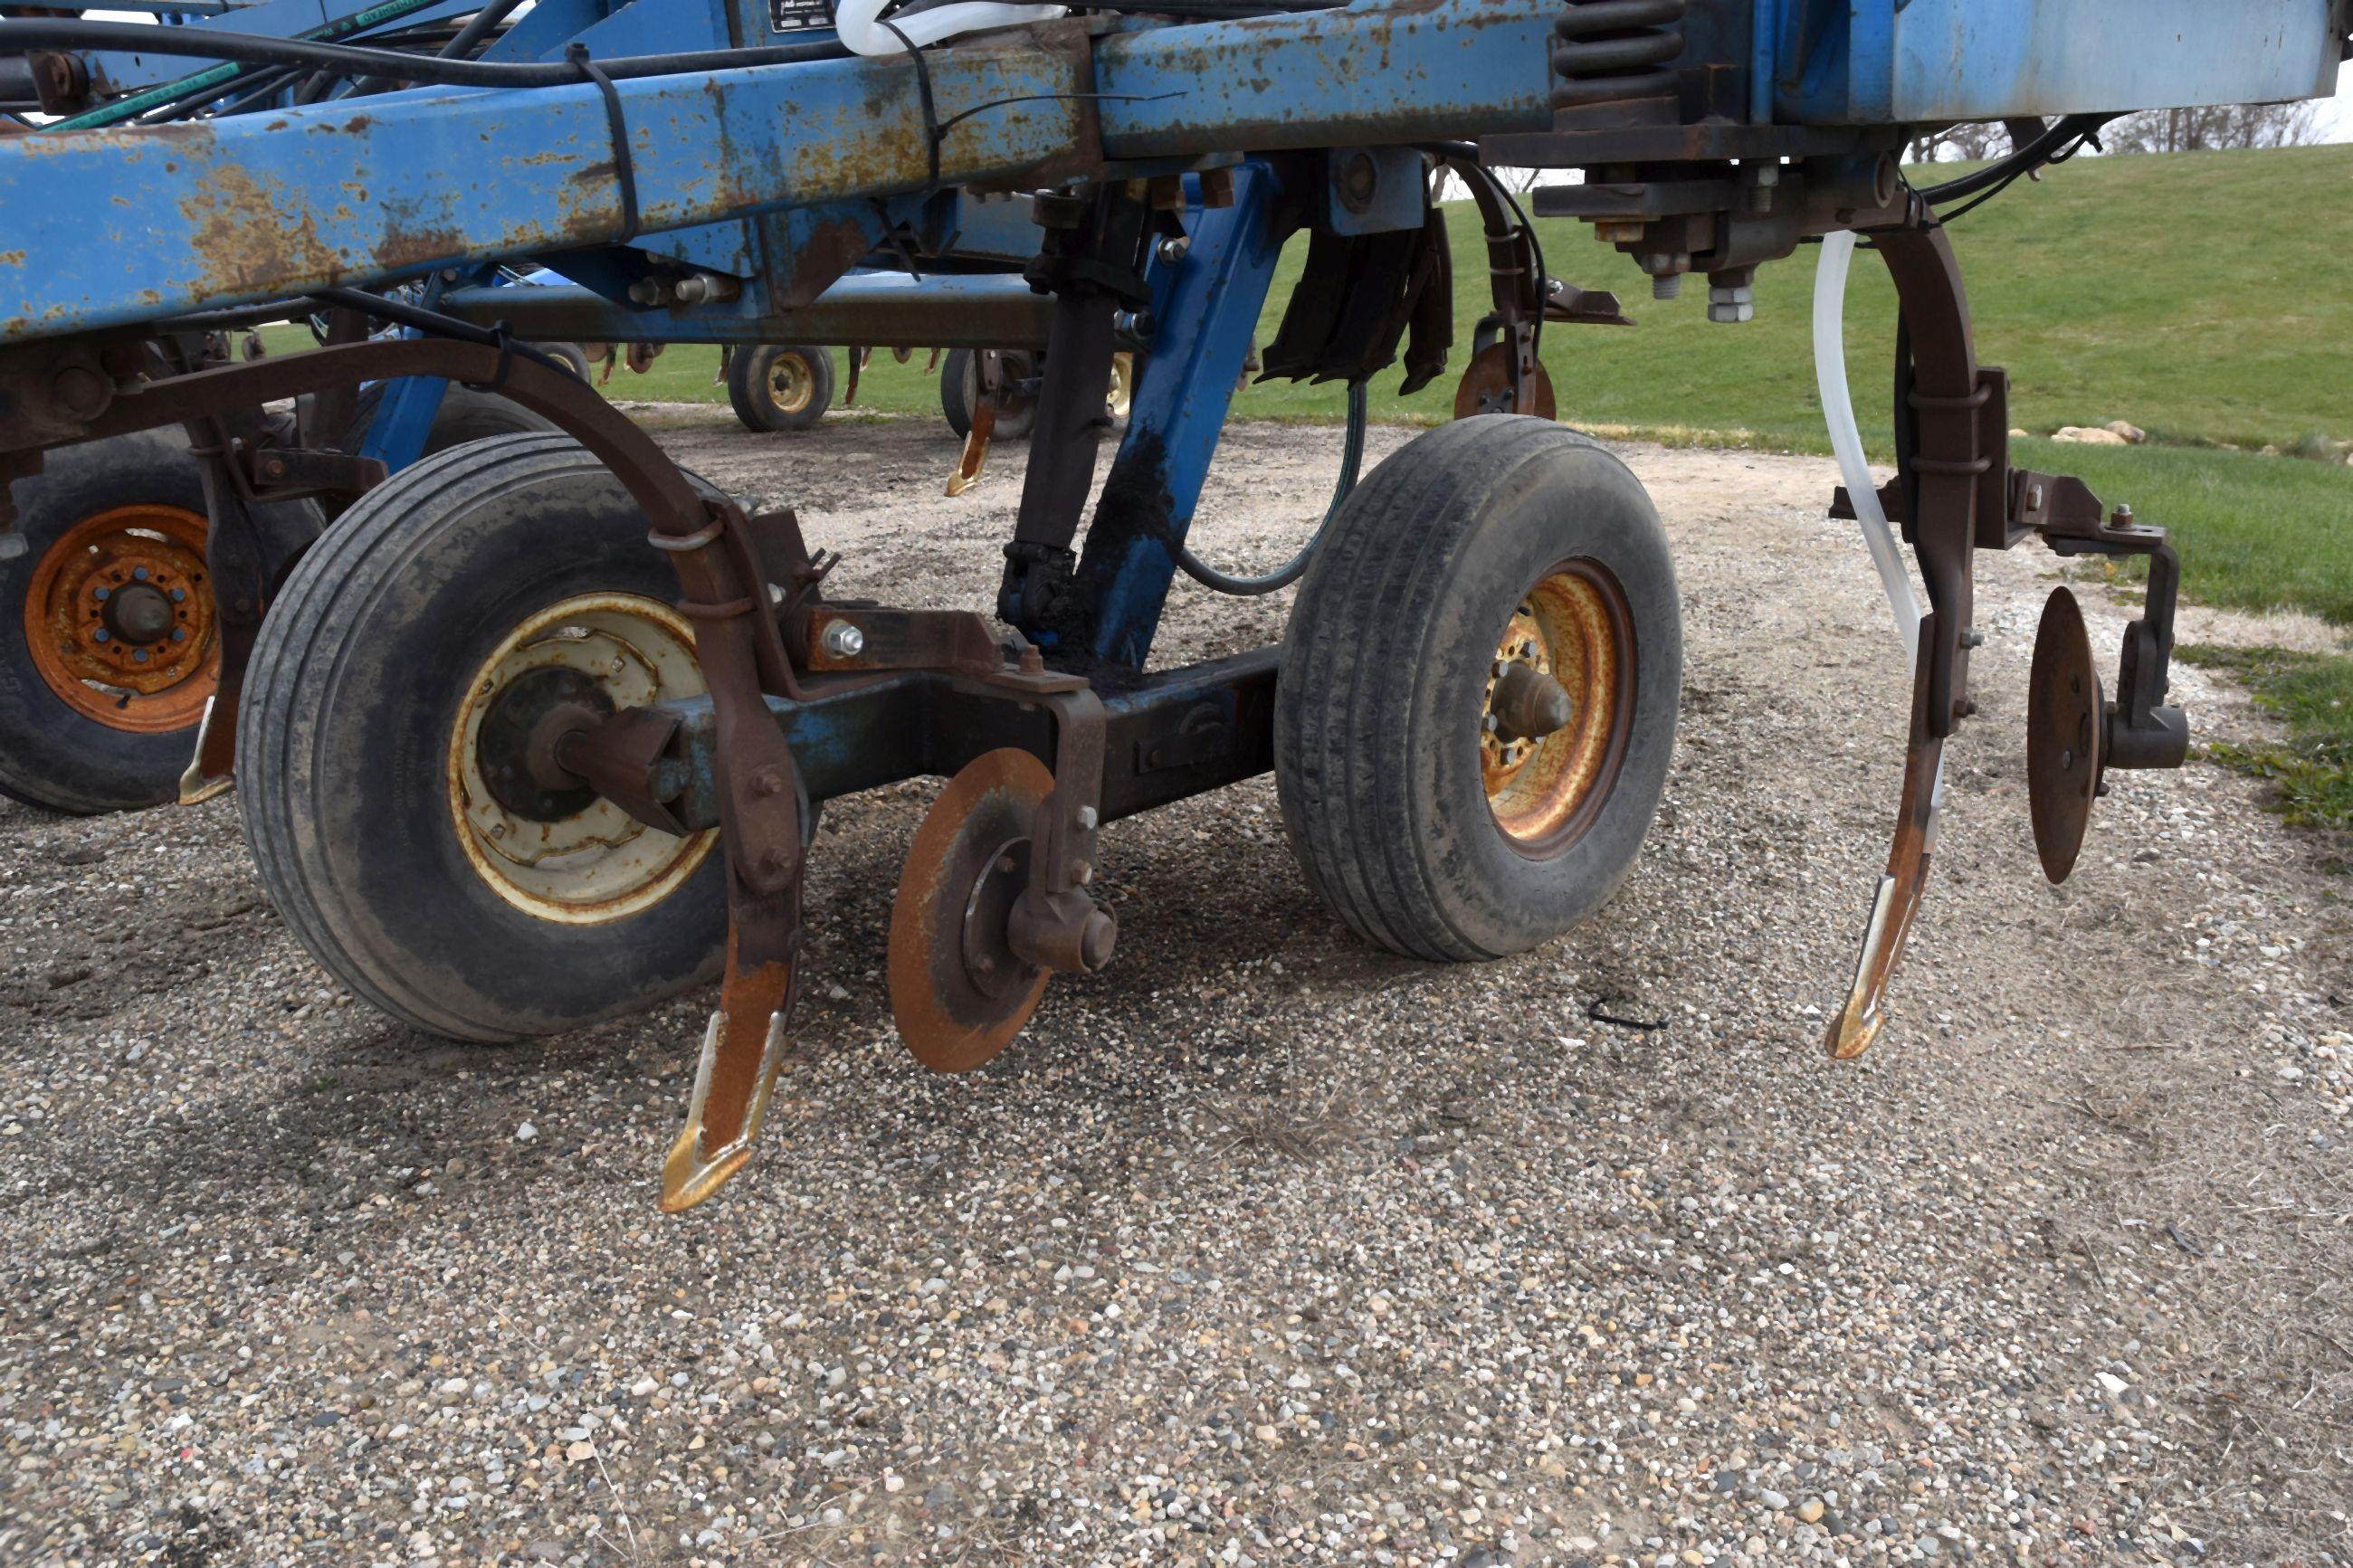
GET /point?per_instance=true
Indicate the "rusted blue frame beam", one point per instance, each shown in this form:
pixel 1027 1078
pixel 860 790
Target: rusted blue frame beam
pixel 110 227
pixel 879 311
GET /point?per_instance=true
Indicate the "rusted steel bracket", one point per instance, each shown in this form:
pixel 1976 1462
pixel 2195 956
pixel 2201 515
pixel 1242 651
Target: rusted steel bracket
pixel 2142 729
pixel 1056 924
pixel 842 637
pixel 287 473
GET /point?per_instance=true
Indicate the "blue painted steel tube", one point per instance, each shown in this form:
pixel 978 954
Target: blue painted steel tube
pixel 1212 304
pixel 873 309
pixel 1361 74
pixel 403 420
pixel 1905 61
pixel 106 227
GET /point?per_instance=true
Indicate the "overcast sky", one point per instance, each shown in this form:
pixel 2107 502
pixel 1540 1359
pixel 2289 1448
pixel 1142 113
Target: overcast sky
pixel 2336 114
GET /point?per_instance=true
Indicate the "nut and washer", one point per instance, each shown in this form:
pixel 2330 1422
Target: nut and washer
pixel 841 640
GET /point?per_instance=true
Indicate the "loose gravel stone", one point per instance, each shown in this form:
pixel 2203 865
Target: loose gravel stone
pixel 1260 1246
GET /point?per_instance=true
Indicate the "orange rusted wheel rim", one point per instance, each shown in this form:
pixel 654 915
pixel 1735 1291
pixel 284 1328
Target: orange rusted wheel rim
pixel 1574 626
pixel 119 616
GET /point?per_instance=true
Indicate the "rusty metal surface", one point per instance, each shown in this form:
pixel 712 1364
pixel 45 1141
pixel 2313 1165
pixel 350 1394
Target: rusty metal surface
pixel 954 1013
pixel 1486 387
pixel 118 619
pixel 260 206
pixel 2064 725
pixel 1574 634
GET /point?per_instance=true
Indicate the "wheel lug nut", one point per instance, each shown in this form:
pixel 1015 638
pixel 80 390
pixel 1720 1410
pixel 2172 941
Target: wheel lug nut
pixel 140 573
pixel 101 593
pixel 178 594
pixel 1488 723
pixel 179 633
pixel 101 635
pixel 139 656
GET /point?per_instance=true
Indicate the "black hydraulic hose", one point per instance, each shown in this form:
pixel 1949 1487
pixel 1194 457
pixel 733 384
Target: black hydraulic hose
pixel 478 27
pixel 20 34
pixel 2033 155
pixel 1352 459
pixel 433 323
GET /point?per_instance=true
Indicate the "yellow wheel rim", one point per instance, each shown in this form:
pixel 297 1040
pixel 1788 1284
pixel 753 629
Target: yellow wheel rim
pixel 791 382
pixel 598 863
pixel 1123 385
pixel 1574 626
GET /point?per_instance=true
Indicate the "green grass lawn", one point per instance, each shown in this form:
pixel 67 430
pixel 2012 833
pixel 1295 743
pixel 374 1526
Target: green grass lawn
pixel 2313 768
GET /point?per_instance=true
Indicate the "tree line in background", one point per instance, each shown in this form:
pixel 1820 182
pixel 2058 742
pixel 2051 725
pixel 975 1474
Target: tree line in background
pixel 2219 128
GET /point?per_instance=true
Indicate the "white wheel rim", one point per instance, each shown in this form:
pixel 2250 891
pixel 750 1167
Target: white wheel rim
pixel 601 864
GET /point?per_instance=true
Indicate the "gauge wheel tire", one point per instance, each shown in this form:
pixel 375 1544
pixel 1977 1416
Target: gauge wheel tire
pixel 363 749
pixel 1493 541
pixel 70 742
pixel 960 391
pixel 466 413
pixel 780 386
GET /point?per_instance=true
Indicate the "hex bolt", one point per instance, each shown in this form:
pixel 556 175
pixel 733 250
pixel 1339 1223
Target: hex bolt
pixel 1082 873
pixel 1667 286
pixel 842 640
pixel 766 782
pixel 1173 249
pixel 2034 498
pixel 1134 328
pixel 1005 865
pixel 2123 516
pixel 498 830
pixel 1973 639
pixel 1087 818
pixel 1963 707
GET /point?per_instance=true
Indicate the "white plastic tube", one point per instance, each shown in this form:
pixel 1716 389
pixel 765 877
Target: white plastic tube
pixel 1846 438
pixel 858 22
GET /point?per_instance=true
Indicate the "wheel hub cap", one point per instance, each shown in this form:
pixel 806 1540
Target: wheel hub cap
pixel 536 832
pixel 1557 707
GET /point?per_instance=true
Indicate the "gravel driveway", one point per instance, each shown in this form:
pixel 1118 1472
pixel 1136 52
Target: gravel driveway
pixel 1262 1246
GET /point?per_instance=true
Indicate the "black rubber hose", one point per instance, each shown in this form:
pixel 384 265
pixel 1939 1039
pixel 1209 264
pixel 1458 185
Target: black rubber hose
pixel 2033 155
pixel 478 26
pixel 1352 459
pixel 433 323
pixel 20 34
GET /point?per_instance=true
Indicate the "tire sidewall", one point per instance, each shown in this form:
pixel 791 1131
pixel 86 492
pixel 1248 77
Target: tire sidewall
pixel 1531 522
pixel 369 744
pixel 750 388
pixel 51 754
